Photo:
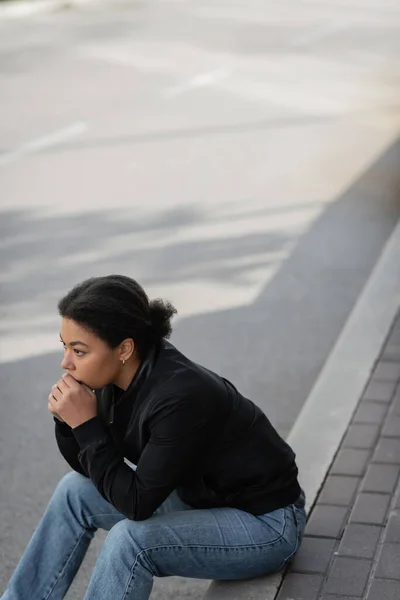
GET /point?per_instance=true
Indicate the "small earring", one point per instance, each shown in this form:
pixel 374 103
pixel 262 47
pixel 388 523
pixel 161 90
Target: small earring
pixel 123 362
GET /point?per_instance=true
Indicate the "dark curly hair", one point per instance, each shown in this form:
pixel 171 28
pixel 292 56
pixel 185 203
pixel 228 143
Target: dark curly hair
pixel 116 307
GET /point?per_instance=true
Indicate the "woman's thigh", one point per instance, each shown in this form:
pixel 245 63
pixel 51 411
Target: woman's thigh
pixel 220 543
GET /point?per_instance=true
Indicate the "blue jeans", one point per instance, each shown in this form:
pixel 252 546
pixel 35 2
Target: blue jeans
pixel 220 543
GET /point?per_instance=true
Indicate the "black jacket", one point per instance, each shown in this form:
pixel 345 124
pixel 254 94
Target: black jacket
pixel 185 428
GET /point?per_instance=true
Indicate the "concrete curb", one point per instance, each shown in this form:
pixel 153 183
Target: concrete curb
pixel 325 417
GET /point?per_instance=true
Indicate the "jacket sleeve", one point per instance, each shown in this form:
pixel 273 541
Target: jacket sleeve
pixel 68 446
pixel 179 435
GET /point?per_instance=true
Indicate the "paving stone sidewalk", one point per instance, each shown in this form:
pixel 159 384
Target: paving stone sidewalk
pixel 351 548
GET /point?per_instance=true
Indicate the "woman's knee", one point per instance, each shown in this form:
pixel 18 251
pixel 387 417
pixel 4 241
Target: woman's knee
pixel 120 542
pixel 123 550
pixel 72 482
pixel 72 490
pixel 77 496
pixel 132 536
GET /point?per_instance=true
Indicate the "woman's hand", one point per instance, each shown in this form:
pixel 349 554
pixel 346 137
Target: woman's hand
pixel 72 402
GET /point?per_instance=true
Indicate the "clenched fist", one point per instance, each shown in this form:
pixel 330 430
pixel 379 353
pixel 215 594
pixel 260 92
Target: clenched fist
pixel 72 402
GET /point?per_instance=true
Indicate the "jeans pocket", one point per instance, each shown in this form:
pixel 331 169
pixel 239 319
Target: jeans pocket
pixel 300 517
pixel 293 535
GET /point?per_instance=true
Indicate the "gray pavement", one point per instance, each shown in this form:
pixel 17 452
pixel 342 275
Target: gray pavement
pixel 240 160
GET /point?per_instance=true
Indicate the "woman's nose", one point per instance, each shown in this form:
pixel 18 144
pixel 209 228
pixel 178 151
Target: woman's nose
pixel 66 362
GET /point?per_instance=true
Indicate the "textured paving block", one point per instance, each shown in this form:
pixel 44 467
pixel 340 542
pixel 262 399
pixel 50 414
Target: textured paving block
pixel 370 412
pixel 387 451
pixel 370 508
pixel 384 590
pixel 338 489
pixel 387 371
pixel 348 576
pixel 380 478
pixel 350 461
pixel 314 555
pixel 326 521
pixel 391 352
pixel 297 586
pixel 380 391
pixel 392 426
pixel 360 540
pixel 389 562
pixel 392 531
pixel 361 435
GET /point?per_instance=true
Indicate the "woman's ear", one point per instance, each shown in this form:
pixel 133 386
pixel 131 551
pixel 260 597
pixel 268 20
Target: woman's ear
pixel 126 349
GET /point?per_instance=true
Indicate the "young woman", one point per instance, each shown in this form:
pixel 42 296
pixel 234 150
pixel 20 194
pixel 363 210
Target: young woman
pixel 214 493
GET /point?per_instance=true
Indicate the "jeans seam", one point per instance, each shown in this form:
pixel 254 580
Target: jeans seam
pixel 296 547
pixel 132 574
pixel 60 573
pixel 280 535
pixel 298 526
pixel 298 542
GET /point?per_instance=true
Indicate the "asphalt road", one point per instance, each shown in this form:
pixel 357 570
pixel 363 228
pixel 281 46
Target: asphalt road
pixel 240 159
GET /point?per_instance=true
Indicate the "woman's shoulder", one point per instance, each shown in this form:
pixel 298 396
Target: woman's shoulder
pixel 176 374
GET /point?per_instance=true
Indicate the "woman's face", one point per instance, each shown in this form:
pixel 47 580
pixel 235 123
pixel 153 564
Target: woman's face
pixel 88 358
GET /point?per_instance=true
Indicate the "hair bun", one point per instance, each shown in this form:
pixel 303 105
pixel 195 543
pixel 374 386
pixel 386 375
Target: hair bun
pixel 161 313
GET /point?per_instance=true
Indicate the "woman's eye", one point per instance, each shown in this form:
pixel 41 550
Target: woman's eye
pixel 79 352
